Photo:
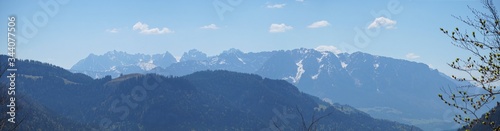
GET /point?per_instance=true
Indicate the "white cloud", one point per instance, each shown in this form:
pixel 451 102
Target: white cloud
pixel 275 6
pixel 144 29
pixel 210 27
pixel 300 0
pixel 114 30
pixel 275 28
pixel 319 24
pixel 412 56
pixel 382 22
pixel 328 48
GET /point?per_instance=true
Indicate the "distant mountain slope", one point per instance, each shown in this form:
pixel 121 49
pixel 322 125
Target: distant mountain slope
pixel 232 60
pixel 216 100
pixel 193 55
pixel 384 87
pixel 388 88
pixel 115 63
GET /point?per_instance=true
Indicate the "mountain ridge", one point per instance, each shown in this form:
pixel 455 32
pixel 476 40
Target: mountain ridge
pixel 219 100
pixel 376 80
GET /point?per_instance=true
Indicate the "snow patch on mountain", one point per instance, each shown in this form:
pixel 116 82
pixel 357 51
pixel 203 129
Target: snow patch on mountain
pixel 325 54
pixel 222 62
pixel 343 64
pixel 241 60
pixel 303 51
pixel 300 71
pixel 146 65
pixel 328 100
pixel 113 69
pixel 214 60
pixel 314 77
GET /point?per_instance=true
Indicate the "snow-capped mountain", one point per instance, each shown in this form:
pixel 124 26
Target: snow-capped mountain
pixel 232 60
pixel 384 87
pixel 115 63
pixel 388 88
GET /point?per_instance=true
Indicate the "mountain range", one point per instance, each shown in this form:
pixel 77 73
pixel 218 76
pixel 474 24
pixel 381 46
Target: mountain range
pixel 383 87
pixel 117 62
pixel 215 100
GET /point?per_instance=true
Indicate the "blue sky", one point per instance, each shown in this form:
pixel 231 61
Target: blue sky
pixel 404 29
